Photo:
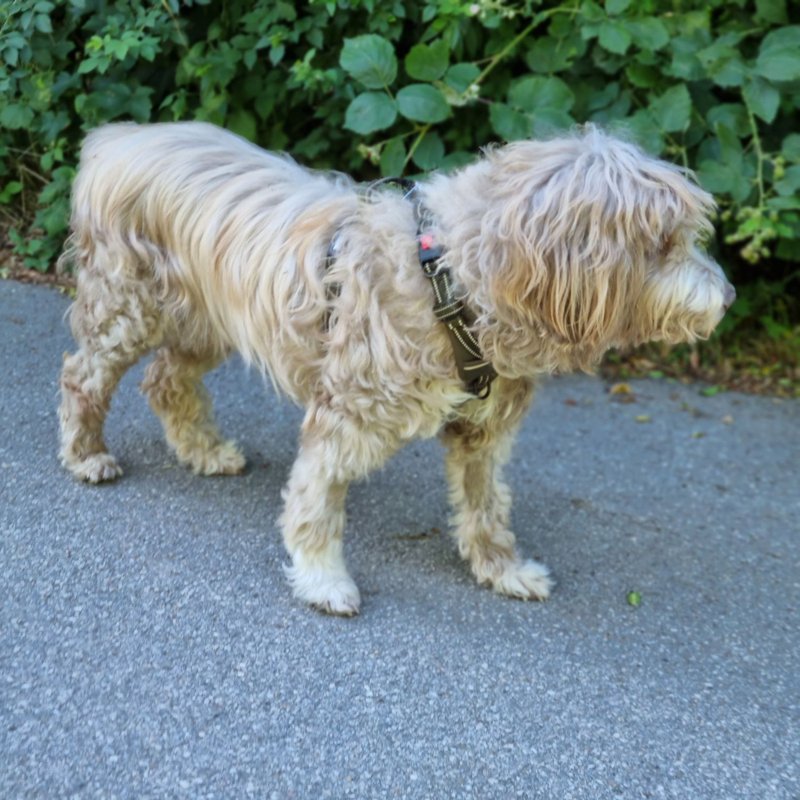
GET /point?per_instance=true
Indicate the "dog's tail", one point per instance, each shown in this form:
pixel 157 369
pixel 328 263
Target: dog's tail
pixel 69 255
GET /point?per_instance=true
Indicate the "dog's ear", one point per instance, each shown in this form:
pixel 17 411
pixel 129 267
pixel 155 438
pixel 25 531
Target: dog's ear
pixel 571 228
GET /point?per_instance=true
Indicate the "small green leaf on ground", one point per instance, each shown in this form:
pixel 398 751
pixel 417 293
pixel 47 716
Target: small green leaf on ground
pixel 710 391
pixel 643 418
pixel 622 393
pixel 698 435
pixel 634 599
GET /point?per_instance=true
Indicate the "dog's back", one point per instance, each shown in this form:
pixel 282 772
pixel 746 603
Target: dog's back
pixel 187 213
pixel 158 181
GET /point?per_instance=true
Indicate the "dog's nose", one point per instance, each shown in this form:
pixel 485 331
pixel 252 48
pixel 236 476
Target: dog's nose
pixel 729 297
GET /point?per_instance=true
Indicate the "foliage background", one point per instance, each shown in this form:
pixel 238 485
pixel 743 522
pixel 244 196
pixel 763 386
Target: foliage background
pixel 388 87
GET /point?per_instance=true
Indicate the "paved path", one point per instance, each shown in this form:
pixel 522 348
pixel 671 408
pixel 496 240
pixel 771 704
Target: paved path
pixel 149 646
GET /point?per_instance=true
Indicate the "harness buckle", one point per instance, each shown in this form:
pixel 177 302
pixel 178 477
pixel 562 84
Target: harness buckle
pixel 429 254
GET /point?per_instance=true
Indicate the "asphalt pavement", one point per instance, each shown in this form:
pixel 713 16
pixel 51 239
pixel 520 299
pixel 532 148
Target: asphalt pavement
pixel 150 647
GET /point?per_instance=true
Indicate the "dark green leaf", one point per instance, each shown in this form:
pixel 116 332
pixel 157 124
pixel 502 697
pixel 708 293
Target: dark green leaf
pixel 779 65
pixel 615 111
pixel 779 55
pixel 614 37
pixel 15 116
pixel 789 184
pixel 771 11
pixel 648 33
pixel 644 77
pixel 732 115
pixel 547 121
pixel 532 94
pixel 427 62
pixel 429 152
pixel 685 64
pixel 510 124
pixel 139 105
pixel 276 54
pixel 791 147
pixel 728 73
pixel 599 98
pixel 617 6
pixel 422 103
pixel 456 160
pixel 762 98
pixel 461 76
pixel 591 11
pixel 370 112
pixel 370 60
pixel 791 203
pixel 645 131
pixel 42 23
pixel 730 147
pixel 781 38
pixel 243 123
pixel 722 61
pixel 673 109
pixel 720 177
pixel 9 190
pixel 548 54
pixel 716 177
pixel 393 158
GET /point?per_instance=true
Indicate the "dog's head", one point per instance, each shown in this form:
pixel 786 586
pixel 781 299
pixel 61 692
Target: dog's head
pixel 592 243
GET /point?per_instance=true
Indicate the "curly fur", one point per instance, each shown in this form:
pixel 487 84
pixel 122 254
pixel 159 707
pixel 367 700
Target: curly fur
pixel 194 243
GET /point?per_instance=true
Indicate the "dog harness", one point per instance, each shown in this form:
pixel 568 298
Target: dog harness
pixel 474 370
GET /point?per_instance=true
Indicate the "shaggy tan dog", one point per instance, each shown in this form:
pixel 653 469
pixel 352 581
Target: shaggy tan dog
pixel 195 243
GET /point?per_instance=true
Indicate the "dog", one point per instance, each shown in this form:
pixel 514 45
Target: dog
pixel 194 243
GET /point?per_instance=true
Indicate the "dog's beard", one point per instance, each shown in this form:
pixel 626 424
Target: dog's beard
pixel 682 301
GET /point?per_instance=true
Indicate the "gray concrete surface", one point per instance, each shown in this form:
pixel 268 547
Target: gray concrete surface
pixel 149 646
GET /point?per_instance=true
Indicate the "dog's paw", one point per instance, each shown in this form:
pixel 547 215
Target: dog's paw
pixel 526 580
pixel 223 459
pixel 331 593
pixel 96 468
pixel 341 599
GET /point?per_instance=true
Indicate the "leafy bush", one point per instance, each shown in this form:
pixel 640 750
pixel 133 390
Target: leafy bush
pixel 383 86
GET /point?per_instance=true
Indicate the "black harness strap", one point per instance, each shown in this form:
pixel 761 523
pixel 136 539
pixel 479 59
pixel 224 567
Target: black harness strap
pixel 474 370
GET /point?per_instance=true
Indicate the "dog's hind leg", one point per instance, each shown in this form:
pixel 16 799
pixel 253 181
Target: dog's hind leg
pixel 173 384
pixel 113 328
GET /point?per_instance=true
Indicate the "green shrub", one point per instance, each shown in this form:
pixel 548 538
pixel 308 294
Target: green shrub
pixel 383 86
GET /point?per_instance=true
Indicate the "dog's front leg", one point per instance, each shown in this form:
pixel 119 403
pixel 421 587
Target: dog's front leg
pixel 313 524
pixel 481 504
pixel 332 453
